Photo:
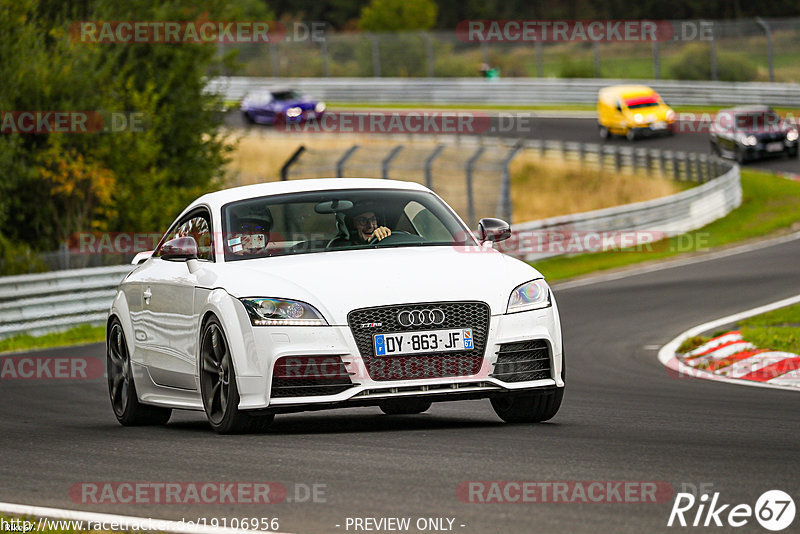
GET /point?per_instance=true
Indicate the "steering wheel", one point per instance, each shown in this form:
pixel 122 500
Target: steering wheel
pixel 373 239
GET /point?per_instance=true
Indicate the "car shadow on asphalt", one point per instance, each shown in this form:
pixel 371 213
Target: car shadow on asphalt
pixel 367 423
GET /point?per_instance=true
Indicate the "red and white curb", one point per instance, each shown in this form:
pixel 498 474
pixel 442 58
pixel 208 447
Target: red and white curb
pixel 729 358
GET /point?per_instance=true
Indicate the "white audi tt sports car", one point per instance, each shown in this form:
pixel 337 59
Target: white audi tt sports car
pixel 328 293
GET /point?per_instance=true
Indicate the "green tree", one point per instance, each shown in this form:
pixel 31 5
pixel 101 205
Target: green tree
pixel 398 15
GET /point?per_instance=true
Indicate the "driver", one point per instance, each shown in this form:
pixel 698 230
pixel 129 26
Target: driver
pixel 250 236
pixel 366 228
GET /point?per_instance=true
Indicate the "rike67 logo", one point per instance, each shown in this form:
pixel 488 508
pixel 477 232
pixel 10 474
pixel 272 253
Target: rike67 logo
pixel 774 510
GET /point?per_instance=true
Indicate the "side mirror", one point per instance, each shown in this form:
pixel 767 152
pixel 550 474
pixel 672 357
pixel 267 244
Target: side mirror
pixel 493 230
pixel 179 249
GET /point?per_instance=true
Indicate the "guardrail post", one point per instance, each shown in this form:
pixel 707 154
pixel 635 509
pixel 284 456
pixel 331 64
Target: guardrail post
pixel 596 51
pixel 676 168
pixel 539 59
pixel 712 44
pixel 430 60
pixel 581 153
pixel 472 221
pixel 617 158
pixel 291 161
pixel 662 163
pixel 340 164
pixel 376 56
pixel 324 51
pixel 388 161
pixel 656 61
pixel 504 209
pixel 429 166
pixel 770 52
pixel 275 60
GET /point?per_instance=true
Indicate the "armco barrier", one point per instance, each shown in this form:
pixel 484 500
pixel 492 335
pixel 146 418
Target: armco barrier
pixel 41 303
pixel 519 91
pixel 667 216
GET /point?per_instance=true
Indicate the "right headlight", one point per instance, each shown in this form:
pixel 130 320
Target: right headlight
pixel 529 296
pixel 792 135
pixel 282 312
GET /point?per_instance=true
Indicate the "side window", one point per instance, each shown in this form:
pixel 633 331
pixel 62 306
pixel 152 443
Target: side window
pixel 195 226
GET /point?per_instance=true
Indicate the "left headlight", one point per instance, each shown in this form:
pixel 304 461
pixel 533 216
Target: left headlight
pixel 294 112
pixel 529 296
pixel 320 107
pixel 282 312
pixel 792 135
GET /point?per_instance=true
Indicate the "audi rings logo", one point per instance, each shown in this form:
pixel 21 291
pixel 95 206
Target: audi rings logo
pixel 421 317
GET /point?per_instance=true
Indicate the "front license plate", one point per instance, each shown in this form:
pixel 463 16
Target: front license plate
pixel 775 147
pixel 659 126
pixel 423 342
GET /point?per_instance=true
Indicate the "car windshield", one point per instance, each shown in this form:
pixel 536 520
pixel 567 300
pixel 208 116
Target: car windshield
pixel 286 95
pixel 641 102
pixel 324 221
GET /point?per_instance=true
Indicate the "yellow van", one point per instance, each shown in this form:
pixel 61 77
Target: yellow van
pixel 632 111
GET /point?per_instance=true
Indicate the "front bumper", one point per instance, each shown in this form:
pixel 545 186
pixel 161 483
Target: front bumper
pixel 267 345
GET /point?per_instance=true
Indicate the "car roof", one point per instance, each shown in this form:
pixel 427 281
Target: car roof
pixel 218 199
pixel 626 91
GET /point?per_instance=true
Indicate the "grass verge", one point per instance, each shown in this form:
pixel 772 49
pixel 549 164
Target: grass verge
pixel 775 330
pixel 74 336
pixel 769 204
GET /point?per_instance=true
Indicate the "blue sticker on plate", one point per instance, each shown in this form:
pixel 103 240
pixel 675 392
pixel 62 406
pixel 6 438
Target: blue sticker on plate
pixel 380 345
pixel 467 339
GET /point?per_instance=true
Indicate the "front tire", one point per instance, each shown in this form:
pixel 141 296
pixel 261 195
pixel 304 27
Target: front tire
pixel 404 406
pixel 528 407
pixel 218 385
pixel 604 133
pixel 121 388
pixel 630 135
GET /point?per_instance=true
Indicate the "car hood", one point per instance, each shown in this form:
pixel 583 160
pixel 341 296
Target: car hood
pixel 341 281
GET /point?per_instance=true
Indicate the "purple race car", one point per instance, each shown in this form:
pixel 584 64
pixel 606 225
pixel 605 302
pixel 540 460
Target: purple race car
pixel 280 105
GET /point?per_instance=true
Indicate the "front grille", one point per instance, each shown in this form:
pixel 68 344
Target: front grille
pixel 473 315
pixel 522 361
pixel 303 376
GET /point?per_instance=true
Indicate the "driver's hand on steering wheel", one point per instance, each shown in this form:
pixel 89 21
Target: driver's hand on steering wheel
pixel 380 233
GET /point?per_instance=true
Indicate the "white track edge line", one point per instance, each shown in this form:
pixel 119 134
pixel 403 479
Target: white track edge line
pixel 666 355
pixel 162 525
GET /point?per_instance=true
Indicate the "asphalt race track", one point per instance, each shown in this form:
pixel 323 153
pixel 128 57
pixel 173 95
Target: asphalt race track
pixel 624 418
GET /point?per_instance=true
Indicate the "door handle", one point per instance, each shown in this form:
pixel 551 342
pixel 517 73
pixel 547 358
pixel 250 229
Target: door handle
pixel 147 294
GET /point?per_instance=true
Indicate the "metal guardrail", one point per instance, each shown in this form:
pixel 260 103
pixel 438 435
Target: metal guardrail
pixel 41 303
pixel 664 217
pixel 512 91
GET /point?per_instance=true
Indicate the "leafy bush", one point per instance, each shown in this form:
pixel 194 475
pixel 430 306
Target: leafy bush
pixel 694 63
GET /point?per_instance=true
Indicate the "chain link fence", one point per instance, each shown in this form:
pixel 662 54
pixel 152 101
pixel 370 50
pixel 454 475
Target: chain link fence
pixel 740 50
pixel 473 175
